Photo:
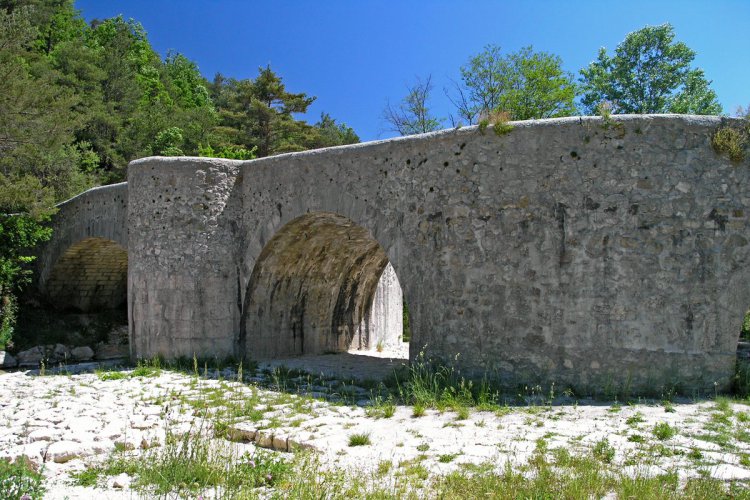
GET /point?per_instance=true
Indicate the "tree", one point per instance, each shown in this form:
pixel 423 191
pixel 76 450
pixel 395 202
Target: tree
pixel 327 132
pixel 24 208
pixel 258 113
pixel 648 73
pixel 412 116
pixel 524 85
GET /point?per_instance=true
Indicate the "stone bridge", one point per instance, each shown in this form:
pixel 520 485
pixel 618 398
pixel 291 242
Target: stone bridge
pixel 580 251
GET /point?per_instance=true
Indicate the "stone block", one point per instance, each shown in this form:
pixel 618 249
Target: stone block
pixel 82 353
pixel 7 361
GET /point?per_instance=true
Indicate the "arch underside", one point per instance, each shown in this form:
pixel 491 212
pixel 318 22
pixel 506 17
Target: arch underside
pixel 91 275
pixel 312 291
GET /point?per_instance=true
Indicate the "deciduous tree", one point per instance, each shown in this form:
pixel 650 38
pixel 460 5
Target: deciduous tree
pixel 649 73
pixel 523 84
pixel 412 115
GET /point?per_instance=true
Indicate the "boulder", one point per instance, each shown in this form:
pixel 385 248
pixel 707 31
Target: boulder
pixel 111 351
pixel 65 451
pixel 58 353
pixel 83 353
pixel 30 357
pixel 7 361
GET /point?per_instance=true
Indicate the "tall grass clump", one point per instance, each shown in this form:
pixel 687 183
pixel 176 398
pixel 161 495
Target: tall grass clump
pixel 430 384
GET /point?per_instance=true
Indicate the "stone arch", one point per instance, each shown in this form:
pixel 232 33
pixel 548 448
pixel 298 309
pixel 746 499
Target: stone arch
pixel 90 275
pixel 97 213
pixel 313 289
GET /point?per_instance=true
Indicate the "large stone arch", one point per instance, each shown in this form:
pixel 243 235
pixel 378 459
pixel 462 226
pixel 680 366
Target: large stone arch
pixel 313 288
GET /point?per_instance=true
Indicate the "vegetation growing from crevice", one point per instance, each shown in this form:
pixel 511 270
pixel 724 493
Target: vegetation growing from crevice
pixel 732 141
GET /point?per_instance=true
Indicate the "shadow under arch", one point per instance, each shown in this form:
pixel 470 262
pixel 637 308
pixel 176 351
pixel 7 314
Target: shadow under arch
pixel 91 275
pixel 313 288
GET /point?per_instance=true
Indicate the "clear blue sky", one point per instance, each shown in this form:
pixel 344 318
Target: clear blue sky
pixel 355 54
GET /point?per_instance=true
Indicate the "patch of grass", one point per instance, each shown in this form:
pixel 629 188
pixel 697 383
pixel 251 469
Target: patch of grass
pixel 603 451
pixel 359 439
pixel 381 408
pixel 635 419
pixel 664 431
pixel 418 411
pixel 20 478
pixel 636 438
pixel 88 477
pixel 462 413
pixel 191 464
pixel 147 368
pixel 384 467
pixel 110 375
pixel 423 447
pixel 447 457
pixel 723 405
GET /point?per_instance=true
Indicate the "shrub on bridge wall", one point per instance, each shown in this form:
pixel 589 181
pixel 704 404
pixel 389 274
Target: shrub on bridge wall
pixel 732 141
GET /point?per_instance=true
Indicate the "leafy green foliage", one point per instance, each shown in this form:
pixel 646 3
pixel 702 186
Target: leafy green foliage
pixel 20 478
pixel 664 431
pixel 23 202
pixel 648 73
pixel 258 116
pixel 523 84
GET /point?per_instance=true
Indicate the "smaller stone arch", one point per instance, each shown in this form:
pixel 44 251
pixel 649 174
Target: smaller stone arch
pixel 91 275
pixel 321 284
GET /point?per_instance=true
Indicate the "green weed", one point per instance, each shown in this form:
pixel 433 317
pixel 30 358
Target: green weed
pixel 359 439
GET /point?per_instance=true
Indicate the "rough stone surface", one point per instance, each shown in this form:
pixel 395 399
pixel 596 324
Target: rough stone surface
pixel 6 360
pixel 384 328
pixel 82 353
pixel 575 251
pixel 30 357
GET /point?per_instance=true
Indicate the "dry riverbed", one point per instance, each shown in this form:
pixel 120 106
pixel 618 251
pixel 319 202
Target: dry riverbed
pixel 66 424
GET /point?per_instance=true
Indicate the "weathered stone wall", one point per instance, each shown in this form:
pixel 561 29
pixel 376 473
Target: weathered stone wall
pixel 384 325
pixel 576 251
